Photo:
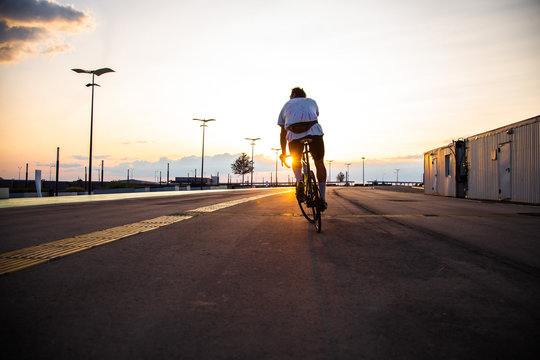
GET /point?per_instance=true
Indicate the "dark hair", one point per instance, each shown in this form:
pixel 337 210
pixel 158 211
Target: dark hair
pixel 298 92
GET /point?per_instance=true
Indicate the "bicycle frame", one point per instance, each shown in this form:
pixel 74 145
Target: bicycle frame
pixel 310 204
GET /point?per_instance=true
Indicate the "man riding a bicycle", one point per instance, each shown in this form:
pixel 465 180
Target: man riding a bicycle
pixel 298 120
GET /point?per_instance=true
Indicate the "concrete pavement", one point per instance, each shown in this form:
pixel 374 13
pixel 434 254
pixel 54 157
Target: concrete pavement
pixel 392 275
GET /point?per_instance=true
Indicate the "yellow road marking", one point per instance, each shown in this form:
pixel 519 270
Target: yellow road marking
pixel 23 258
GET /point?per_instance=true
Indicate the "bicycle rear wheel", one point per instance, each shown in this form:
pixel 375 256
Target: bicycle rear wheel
pixel 310 205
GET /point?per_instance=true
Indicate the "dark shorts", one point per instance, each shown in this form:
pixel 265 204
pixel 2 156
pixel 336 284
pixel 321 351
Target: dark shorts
pixel 316 148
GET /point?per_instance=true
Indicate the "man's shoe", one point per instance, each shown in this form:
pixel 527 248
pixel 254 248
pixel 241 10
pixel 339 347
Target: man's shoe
pixel 300 195
pixel 324 205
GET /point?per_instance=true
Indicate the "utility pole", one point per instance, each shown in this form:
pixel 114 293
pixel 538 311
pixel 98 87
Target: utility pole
pixel 102 172
pixel 397 175
pixel 167 174
pixel 57 170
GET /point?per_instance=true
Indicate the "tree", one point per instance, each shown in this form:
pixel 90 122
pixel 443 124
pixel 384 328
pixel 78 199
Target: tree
pixel 242 165
pixel 340 177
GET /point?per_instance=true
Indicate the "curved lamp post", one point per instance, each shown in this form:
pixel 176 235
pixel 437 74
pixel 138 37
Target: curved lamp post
pixel 97 72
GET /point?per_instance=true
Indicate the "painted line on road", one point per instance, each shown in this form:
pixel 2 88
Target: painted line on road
pixel 34 255
pixel 358 216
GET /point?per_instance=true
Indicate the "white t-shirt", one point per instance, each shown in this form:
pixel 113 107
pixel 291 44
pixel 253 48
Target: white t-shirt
pixel 300 110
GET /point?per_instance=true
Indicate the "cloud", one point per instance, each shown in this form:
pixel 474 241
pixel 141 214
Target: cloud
pixel 85 157
pixel 36 11
pixel 30 27
pixel 62 165
pixel 136 142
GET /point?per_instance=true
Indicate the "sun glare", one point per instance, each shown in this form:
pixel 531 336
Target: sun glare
pixel 288 161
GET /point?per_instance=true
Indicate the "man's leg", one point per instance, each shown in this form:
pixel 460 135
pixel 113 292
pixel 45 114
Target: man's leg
pixel 317 152
pixel 297 168
pixel 321 177
pixel 295 149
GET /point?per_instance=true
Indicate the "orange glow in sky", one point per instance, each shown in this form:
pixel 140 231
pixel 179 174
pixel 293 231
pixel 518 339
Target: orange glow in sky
pixel 392 79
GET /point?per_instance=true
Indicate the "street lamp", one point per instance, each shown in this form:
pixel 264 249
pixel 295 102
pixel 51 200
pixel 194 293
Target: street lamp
pixel 204 121
pixel 363 168
pixel 347 181
pixel 330 170
pixel 277 152
pixel 252 162
pixel 97 72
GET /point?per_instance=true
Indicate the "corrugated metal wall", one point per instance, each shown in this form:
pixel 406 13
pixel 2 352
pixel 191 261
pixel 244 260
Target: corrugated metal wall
pixel 436 180
pixel 428 174
pixel 526 164
pixel 483 159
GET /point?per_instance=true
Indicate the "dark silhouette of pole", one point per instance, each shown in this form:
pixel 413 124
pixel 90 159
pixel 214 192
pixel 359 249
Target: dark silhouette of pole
pixel 204 121
pixel 26 182
pixel 97 72
pixel 167 173
pixel 252 160
pixel 101 172
pixel 57 170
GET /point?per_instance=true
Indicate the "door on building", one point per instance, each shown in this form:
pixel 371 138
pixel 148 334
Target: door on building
pixel 434 175
pixel 504 162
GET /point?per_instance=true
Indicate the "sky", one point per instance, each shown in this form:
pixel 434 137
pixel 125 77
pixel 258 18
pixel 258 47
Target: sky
pixel 392 79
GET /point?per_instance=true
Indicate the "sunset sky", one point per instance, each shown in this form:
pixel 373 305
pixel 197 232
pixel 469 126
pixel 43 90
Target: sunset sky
pixel 392 79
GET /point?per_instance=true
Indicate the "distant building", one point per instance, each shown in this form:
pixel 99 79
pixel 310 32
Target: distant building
pixel 187 180
pixel 501 164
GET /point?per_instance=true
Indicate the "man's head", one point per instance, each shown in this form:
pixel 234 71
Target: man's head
pixel 298 92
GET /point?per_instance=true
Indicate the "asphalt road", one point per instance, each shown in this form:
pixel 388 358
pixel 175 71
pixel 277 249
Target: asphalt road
pixel 392 276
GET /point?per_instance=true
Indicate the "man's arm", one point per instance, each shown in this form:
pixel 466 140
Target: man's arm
pixel 283 140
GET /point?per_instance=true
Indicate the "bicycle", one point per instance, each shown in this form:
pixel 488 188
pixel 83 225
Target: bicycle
pixel 310 201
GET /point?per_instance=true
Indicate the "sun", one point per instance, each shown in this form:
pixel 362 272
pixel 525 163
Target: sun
pixel 288 161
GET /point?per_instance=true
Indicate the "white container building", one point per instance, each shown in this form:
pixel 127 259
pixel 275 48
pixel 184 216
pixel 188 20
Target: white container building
pixel 444 170
pixel 501 164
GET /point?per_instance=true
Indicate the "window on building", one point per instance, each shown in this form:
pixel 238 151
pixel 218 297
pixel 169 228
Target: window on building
pixel 447 165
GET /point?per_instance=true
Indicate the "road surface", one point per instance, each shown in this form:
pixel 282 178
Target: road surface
pixel 393 275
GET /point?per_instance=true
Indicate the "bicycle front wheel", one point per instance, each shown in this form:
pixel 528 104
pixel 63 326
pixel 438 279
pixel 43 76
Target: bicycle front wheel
pixel 316 202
